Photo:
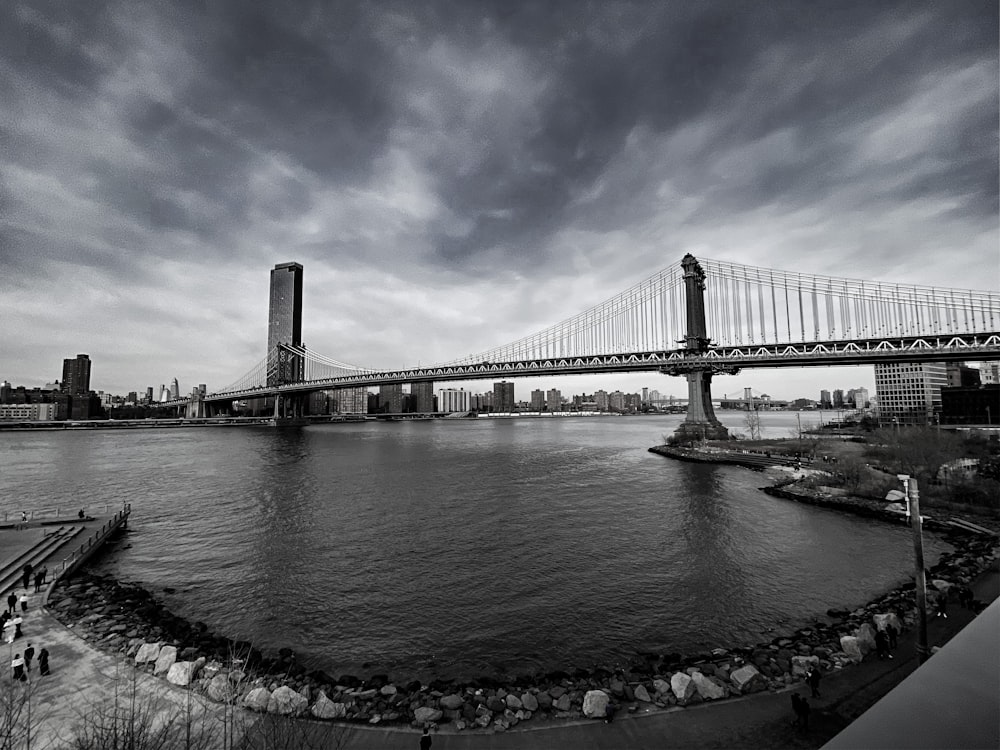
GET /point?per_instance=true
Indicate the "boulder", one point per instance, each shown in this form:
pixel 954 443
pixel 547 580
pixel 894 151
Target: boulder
pixel 866 638
pixel 221 689
pixel 849 645
pixel 285 701
pixel 182 672
pixel 529 702
pixel 617 687
pixel 496 704
pixel 595 704
pixel 324 708
pixel 707 689
pixel 165 660
pixel 513 702
pixel 544 698
pixel 257 699
pixel 147 652
pixel 425 714
pixel 682 686
pixel 941 585
pixel 562 703
pixel 661 686
pixel 641 694
pixel 387 690
pixel 451 702
pixel 745 678
pixel 484 720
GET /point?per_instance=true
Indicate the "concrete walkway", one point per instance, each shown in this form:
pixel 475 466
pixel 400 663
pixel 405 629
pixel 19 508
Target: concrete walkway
pixel 84 677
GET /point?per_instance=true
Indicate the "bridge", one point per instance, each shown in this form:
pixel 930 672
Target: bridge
pixel 692 319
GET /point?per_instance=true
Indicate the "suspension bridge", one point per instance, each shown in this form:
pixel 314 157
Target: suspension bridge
pixel 692 319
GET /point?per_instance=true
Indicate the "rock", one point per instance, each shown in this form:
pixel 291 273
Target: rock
pixel 595 704
pixel 562 703
pixel 165 660
pixel 451 702
pixel 745 678
pixel 425 714
pixel 529 702
pixel 886 619
pixel 544 698
pixel 147 652
pixel 220 689
pixel 641 694
pixel 484 720
pixel 617 687
pixel 866 638
pixel 661 686
pixel 513 702
pixel 849 645
pixel 706 688
pixel 941 585
pixel 682 686
pixel 324 708
pixel 285 701
pixel 556 691
pixel 183 672
pixel 387 690
pixel 257 699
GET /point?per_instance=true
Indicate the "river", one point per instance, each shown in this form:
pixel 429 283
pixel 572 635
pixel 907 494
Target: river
pixel 459 548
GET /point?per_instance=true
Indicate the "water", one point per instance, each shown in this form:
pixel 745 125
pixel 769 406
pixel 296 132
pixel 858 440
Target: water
pixel 459 548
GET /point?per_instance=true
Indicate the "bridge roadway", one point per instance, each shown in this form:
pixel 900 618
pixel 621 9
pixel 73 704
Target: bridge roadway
pixel 728 359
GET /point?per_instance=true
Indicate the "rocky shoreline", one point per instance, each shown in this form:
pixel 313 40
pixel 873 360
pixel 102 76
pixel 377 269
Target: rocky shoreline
pixel 126 620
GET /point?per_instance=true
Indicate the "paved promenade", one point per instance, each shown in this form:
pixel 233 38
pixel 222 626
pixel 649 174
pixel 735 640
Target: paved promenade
pixel 84 676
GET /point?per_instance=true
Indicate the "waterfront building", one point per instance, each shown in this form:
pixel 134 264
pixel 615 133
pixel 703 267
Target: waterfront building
pixel 825 402
pixel 909 393
pixel 5 391
pixel 616 401
pixel 76 375
pixel 149 394
pixel 391 398
pixel 28 412
pixel 537 400
pixel 284 323
pixel 175 389
pixel 423 397
pixel 453 400
pixel 838 399
pixel 553 400
pixel 503 397
pixel 601 399
pixel 350 401
pixel 860 398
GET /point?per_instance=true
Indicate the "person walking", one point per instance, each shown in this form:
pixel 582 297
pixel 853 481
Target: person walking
pixel 43 662
pixel 45 573
pixel 17 664
pixel 24 520
pixel 29 654
pixel 882 644
pixel 813 679
pixel 797 708
pixel 804 707
pixel 38 581
pixel 892 634
pixel 941 605
pixel 12 602
pixel 26 576
pixel 24 601
pixel 425 739
pixel 16 622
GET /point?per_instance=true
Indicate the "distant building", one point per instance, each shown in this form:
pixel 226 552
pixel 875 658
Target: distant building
pixel 537 400
pixel 838 399
pixel 616 401
pixel 391 398
pixel 76 375
pixel 423 397
pixel 149 394
pixel 989 373
pixel 349 401
pixel 909 393
pixel 28 412
pixel 553 400
pixel 284 323
pixel 503 397
pixel 972 405
pixel 601 400
pixel 825 402
pixel 175 389
pixel 453 400
pixel 961 375
pixel 5 391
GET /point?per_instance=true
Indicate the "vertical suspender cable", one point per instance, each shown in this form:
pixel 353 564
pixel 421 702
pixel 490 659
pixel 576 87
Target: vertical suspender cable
pixel 774 309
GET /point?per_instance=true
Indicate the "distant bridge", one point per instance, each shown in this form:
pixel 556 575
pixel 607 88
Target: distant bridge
pixel 757 318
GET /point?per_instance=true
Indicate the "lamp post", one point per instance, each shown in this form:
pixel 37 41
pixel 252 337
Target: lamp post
pixel 912 494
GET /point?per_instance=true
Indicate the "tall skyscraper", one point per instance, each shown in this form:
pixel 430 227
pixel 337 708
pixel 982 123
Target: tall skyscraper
pixel 284 323
pixel 76 375
pixel 391 398
pixel 175 389
pixel 503 397
pixel 423 397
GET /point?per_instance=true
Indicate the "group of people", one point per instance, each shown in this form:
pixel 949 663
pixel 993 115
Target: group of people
pixel 800 704
pixel 11 621
pixel 885 641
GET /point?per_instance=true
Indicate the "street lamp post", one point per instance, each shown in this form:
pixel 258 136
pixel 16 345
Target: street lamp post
pixel 912 493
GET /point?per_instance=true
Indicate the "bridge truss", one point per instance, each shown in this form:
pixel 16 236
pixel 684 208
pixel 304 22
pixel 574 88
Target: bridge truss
pixel 755 317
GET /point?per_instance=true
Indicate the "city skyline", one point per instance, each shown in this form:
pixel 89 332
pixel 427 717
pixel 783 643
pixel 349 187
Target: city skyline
pixel 458 175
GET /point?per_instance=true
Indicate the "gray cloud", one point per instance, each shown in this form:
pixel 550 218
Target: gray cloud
pixel 434 155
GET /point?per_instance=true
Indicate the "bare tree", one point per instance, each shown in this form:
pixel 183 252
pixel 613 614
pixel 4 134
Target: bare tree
pixel 752 422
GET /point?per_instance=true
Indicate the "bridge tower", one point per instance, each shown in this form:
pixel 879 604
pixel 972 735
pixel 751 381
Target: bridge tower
pixel 701 422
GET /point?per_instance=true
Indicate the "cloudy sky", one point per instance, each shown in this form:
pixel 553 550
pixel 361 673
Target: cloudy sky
pixel 456 174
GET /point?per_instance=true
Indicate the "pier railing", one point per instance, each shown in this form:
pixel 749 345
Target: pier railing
pixel 43 513
pixel 92 543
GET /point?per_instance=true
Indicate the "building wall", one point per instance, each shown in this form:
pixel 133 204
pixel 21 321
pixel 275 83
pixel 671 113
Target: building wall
pixel 28 412
pixel 391 398
pixel 76 375
pixel 423 397
pixel 452 400
pixel 553 400
pixel 503 397
pixel 908 393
